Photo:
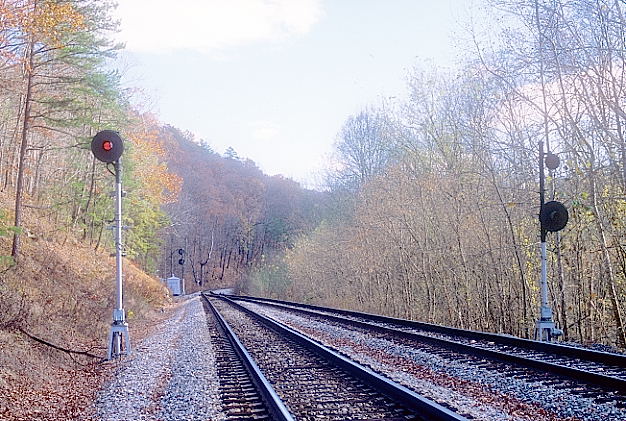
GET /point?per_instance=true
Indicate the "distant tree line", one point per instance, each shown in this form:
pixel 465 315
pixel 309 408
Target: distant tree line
pixel 434 213
pixel 230 218
pixel 57 90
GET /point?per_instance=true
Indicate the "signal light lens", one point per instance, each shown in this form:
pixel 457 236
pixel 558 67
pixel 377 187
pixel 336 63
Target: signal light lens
pixel 107 145
pixel 552 161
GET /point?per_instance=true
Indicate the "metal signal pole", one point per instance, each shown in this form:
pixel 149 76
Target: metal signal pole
pixel 553 217
pixel 171 262
pixel 545 324
pixel 118 335
pixel 108 146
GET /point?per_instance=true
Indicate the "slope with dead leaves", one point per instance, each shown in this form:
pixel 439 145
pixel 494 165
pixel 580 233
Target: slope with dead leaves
pixel 61 294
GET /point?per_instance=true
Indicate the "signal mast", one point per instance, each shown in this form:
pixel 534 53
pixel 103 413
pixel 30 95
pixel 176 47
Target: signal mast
pixel 553 217
pixel 107 146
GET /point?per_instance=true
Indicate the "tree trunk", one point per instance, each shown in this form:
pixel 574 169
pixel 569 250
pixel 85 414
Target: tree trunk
pixel 617 312
pixel 15 250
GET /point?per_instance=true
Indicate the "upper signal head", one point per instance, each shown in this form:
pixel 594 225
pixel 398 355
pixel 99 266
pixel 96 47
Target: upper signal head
pixel 107 146
pixel 552 161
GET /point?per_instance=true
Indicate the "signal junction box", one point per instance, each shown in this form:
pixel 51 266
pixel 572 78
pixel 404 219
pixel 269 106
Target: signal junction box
pixel 174 285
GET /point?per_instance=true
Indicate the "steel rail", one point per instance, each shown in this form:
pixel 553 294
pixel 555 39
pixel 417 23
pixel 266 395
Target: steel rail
pixel 602 380
pixel 274 404
pixel 562 350
pixel 403 395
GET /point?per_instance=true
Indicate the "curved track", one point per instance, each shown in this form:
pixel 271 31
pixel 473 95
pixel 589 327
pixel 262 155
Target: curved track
pixel 244 391
pixel 313 382
pixel 606 372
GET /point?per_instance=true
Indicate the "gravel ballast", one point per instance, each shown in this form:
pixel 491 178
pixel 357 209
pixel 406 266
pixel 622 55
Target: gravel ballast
pixel 170 375
pixel 500 390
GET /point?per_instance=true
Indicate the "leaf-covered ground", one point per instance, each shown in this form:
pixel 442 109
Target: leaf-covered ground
pixel 62 292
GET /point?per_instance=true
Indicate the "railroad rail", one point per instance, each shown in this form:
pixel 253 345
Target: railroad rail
pixel 305 379
pixel 244 390
pixel 606 371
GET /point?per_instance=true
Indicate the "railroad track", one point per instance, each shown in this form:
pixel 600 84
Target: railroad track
pixel 297 378
pixel 585 372
pixel 242 395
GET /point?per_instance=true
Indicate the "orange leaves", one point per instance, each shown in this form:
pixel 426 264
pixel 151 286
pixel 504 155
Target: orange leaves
pixel 148 154
pixel 38 21
pixel 46 20
pixel 146 135
pixel 12 14
pixel 160 183
pixel 51 20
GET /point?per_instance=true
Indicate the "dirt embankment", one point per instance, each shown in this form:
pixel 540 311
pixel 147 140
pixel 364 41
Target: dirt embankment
pixel 61 292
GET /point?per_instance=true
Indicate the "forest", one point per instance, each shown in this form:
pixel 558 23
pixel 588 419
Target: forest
pixel 429 214
pixel 436 205
pixel 230 218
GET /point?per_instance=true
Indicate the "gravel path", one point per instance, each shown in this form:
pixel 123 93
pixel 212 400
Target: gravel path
pixel 170 376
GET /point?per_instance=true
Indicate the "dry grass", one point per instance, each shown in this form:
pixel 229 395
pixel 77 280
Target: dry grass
pixel 62 291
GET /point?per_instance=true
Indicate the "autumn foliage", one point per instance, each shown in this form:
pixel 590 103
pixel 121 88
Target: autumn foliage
pixel 230 218
pixel 56 92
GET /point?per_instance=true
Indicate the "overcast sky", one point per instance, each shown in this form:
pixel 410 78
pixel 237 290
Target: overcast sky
pixel 275 79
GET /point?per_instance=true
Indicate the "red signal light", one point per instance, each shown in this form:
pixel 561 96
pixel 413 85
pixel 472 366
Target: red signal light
pixel 107 146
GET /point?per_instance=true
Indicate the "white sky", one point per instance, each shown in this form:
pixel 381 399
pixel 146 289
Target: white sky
pixel 275 79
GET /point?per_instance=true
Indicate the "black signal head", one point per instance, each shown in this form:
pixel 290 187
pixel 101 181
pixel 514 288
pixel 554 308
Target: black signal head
pixel 107 146
pixel 553 216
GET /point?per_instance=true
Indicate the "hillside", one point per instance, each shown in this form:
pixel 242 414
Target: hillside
pixel 62 293
pixel 56 302
pixel 230 217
